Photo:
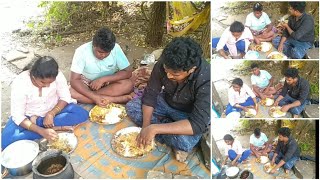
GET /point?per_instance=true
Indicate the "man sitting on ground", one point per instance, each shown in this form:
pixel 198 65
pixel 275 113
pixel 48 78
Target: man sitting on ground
pixel 262 83
pixel 100 71
pixel 298 35
pixel 295 93
pixel 287 151
pixel 175 106
pixel 259 145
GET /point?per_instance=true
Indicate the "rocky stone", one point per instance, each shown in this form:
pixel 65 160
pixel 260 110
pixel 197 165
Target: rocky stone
pixel 313 53
pixel 157 53
pixel 159 175
pixel 311 111
pixel 14 55
pixel 21 63
pixel 305 169
pixel 22 49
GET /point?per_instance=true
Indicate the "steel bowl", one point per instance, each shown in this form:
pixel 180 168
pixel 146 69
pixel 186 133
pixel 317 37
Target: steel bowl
pixel 18 157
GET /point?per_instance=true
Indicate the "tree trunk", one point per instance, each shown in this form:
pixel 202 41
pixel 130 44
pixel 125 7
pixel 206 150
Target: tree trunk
pixel 205 40
pixel 156 22
pixel 285 66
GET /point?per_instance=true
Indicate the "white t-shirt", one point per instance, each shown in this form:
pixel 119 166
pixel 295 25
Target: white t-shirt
pixel 236 97
pixel 230 41
pixel 236 146
pixel 257 24
pixel 262 80
pixel 258 142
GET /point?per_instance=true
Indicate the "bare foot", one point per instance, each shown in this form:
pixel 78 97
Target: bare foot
pixel 33 119
pixel 295 116
pixel 181 156
pixel 118 99
pixel 286 171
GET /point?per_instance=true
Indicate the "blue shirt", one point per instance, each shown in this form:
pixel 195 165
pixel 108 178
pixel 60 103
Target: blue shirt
pixel 84 62
pixel 262 80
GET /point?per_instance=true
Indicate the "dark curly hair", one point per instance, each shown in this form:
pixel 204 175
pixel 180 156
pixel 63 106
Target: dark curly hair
pixel 237 26
pixel 254 65
pixel 257 7
pixel 284 131
pixel 298 6
pixel 257 132
pixel 291 72
pixel 228 137
pixel 181 53
pixel 104 39
pixel 43 67
pixel 238 82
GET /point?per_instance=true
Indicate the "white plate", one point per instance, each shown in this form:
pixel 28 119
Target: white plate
pixel 269 169
pixel 124 131
pixel 276 115
pixel 265 46
pixel 112 117
pixel 276 52
pixel 19 153
pixel 269 102
pixel 71 139
pixel 251 112
pixel 264 159
pixel 251 55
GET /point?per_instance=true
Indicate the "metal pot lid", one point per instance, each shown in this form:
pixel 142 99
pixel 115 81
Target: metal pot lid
pixel 19 153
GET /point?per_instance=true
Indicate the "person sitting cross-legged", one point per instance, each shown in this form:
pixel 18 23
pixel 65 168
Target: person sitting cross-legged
pixel 259 143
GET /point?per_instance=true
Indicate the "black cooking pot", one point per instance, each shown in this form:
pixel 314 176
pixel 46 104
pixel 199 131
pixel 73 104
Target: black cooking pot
pixel 52 164
pixel 246 174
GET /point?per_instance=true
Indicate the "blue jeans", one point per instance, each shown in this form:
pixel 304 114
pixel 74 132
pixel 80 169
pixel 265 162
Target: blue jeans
pixel 295 110
pixel 229 109
pixel 232 155
pixel 241 45
pixel 163 113
pixel 293 48
pixel 71 115
pixel 289 164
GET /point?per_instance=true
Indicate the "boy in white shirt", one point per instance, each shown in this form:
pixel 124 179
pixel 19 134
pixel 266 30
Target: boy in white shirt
pixel 234 151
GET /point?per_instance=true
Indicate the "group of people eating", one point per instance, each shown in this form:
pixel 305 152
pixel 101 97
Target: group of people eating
pixel 292 38
pixel 174 108
pixel 285 154
pixel 292 96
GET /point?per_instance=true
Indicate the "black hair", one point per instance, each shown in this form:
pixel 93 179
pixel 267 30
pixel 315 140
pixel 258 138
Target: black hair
pixel 104 39
pixel 254 65
pixel 182 53
pixel 299 6
pixel 237 26
pixel 237 81
pixel 257 132
pixel 284 131
pixel 291 72
pixel 43 67
pixel 257 7
pixel 228 137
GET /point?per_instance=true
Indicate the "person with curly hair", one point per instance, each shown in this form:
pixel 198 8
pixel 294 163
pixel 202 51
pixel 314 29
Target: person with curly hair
pixel 175 106
pixel 287 152
pixel 295 93
pixel 298 35
pixel 100 71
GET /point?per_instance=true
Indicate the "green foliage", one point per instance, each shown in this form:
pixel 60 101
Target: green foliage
pixel 316 30
pixel 304 147
pixel 245 124
pixel 57 11
pixel 314 88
